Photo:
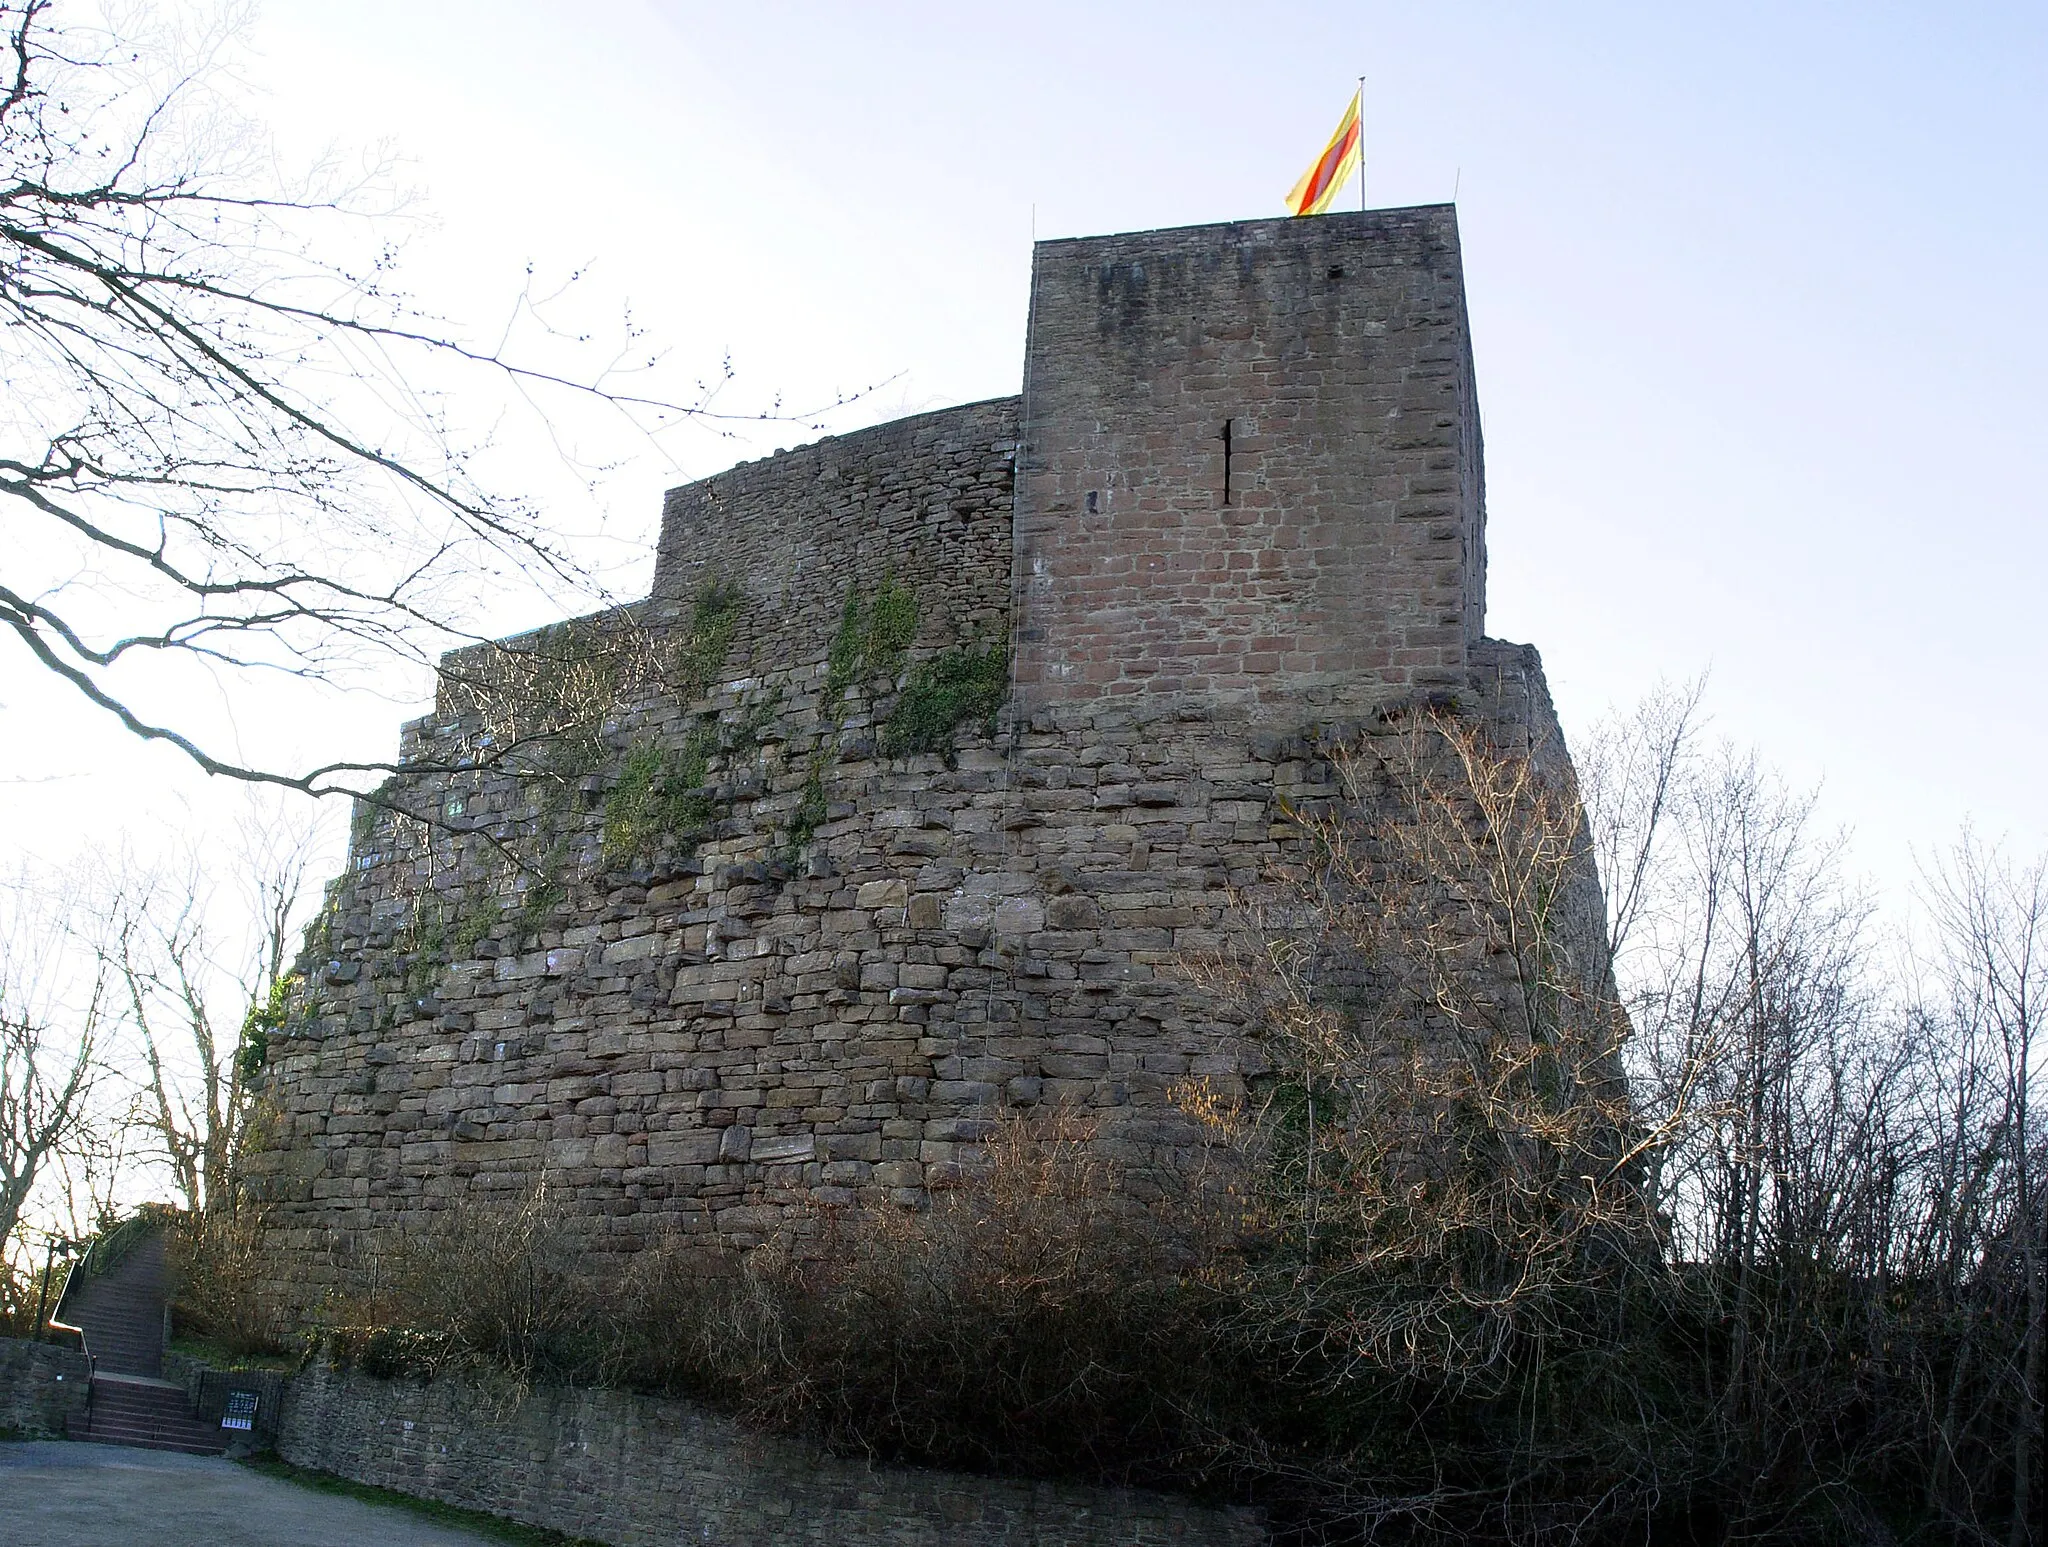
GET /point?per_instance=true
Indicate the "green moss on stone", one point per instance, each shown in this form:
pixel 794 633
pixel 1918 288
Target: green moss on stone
pixel 811 811
pixel 874 637
pixel 660 800
pixel 701 648
pixel 953 689
pixel 474 917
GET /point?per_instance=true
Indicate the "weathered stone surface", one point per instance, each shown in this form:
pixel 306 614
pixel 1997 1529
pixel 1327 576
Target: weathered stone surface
pixel 1250 472
pixel 42 1387
pixel 640 1471
pixel 859 959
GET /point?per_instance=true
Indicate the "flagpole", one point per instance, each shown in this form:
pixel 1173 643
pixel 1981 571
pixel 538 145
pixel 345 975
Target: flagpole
pixel 1361 145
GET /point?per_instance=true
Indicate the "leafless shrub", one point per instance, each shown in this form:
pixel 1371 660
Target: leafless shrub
pixel 1445 1164
pixel 1021 1323
pixel 510 1284
pixel 215 1262
pixel 1027 1319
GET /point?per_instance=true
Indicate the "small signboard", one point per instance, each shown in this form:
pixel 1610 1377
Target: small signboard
pixel 241 1411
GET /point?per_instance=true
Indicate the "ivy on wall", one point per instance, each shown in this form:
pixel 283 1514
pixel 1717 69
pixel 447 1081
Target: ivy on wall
pixel 661 798
pixel 874 638
pixel 700 648
pixel 952 689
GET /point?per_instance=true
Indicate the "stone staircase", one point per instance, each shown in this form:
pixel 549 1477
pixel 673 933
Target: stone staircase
pixel 120 1314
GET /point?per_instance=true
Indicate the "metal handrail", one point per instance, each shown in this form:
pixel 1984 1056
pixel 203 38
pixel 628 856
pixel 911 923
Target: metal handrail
pixel 105 1252
pixel 92 1362
pixel 111 1245
pixel 71 1272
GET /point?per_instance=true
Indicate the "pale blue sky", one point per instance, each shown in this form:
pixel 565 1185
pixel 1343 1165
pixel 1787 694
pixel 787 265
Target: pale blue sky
pixel 1756 295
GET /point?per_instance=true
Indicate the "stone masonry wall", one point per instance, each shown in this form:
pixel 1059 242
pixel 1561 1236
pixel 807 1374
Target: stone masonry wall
pixel 674 1038
pixel 1251 466
pixel 42 1386
pixel 640 1471
pixel 924 501
pixel 841 962
pixel 714 1041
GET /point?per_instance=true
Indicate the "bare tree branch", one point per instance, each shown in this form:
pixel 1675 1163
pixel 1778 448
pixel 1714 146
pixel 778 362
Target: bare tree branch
pixel 229 442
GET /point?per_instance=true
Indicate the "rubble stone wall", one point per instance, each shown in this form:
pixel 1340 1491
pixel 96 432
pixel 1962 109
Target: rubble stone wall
pixel 923 502
pixel 635 1470
pixel 846 960
pixel 42 1387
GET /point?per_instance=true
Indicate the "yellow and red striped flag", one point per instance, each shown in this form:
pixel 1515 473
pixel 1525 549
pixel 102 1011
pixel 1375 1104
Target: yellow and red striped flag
pixel 1331 170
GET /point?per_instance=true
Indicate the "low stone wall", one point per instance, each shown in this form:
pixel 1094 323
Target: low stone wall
pixel 635 1470
pixel 208 1389
pixel 42 1386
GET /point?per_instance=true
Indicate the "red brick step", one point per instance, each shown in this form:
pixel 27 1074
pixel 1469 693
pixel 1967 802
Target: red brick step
pixel 120 1316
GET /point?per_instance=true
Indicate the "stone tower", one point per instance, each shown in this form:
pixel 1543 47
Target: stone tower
pixel 1250 475
pixel 986 712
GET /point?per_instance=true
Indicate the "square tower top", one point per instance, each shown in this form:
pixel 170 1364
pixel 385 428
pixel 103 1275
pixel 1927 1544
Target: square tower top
pixel 1250 472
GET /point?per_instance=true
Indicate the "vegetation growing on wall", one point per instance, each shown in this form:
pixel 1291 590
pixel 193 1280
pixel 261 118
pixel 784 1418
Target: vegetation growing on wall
pixel 545 892
pixel 266 1017
pixel 698 652
pixel 811 810
pixel 546 709
pixel 542 706
pixel 954 688
pixel 543 702
pixel 874 638
pixel 660 799
pixel 475 913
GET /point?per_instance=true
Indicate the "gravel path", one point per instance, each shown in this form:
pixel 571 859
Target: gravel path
pixel 56 1494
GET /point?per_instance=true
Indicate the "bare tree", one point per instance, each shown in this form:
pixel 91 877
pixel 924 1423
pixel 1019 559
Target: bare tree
pixel 1633 774
pixel 53 1019
pixel 228 445
pixel 199 1023
pixel 1850 1198
pixel 1442 1163
pixel 1782 1283
pixel 1991 916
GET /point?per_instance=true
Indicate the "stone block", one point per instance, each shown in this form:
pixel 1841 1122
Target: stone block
pixel 1019 916
pixel 882 894
pixel 1072 912
pixel 782 1150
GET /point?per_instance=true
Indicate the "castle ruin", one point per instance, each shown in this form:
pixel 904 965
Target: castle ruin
pixel 967 727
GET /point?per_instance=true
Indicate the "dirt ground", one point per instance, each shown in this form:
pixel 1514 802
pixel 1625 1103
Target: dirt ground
pixel 55 1494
